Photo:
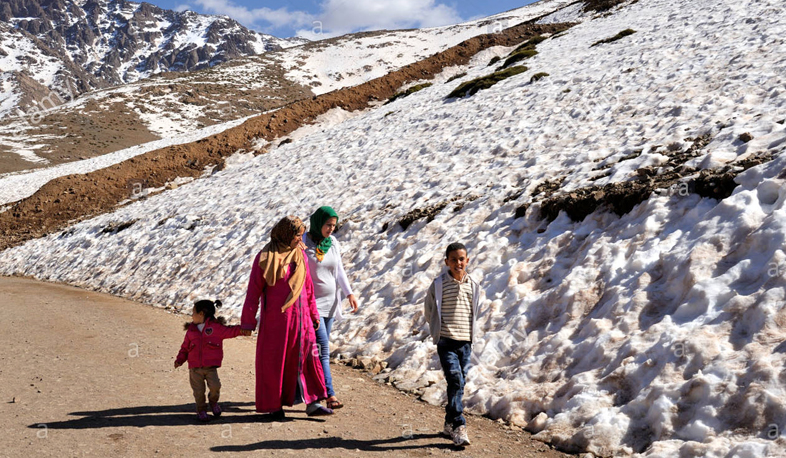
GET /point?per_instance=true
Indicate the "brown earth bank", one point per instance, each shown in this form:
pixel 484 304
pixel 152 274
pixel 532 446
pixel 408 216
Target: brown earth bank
pixel 111 120
pixel 72 198
pixel 89 374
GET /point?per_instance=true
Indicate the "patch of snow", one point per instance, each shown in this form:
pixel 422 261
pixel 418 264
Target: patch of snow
pixel 573 12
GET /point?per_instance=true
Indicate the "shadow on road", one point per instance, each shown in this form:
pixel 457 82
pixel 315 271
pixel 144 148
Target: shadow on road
pixel 380 445
pixel 175 415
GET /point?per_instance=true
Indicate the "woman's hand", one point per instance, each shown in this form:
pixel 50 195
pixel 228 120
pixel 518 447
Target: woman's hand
pixel 245 332
pixel 353 303
pixel 316 325
pixel 177 364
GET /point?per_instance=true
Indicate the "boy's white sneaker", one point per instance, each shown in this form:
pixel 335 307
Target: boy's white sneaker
pixel 460 437
pixel 447 431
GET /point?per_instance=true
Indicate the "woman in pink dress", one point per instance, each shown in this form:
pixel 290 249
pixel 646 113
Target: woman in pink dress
pixel 288 369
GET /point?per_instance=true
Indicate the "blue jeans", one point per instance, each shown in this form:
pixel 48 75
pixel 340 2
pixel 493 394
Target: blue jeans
pixel 323 338
pixel 454 356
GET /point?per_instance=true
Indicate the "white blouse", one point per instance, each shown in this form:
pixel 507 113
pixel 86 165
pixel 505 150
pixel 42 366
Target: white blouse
pixel 330 280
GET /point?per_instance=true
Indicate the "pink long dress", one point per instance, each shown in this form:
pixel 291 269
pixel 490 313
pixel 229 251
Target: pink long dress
pixel 287 353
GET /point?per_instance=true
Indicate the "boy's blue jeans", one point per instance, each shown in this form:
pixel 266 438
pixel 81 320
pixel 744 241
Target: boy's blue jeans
pixel 454 356
pixel 323 341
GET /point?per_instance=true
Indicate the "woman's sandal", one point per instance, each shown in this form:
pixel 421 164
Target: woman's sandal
pixel 334 404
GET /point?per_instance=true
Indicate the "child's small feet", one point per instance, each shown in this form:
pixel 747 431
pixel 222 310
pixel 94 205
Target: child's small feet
pixel 216 410
pixel 460 437
pixel 317 410
pixel 202 416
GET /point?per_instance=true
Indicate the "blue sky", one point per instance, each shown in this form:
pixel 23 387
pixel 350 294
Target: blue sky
pixel 335 17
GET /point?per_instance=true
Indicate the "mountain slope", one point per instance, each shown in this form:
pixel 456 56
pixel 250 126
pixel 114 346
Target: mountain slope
pixel 349 60
pixel 170 104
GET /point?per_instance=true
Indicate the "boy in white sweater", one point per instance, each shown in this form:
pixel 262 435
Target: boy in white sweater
pixel 451 308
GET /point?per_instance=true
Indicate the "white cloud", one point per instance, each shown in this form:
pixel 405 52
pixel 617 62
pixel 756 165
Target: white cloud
pixel 349 15
pixel 337 17
pixel 183 7
pixel 257 17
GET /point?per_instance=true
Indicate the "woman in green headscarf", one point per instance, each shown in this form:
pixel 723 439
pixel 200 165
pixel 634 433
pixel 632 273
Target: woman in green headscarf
pixel 330 285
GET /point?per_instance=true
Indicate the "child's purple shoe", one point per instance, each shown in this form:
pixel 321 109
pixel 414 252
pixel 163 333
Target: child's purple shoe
pixel 318 410
pixel 216 410
pixel 202 416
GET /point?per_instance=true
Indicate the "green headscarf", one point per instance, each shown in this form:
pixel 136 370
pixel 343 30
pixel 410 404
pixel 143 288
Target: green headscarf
pixel 318 219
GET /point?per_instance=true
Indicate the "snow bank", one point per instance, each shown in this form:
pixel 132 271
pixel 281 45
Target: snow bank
pixel 657 333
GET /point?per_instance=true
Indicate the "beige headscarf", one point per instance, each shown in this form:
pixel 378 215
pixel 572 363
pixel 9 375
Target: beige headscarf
pixel 277 255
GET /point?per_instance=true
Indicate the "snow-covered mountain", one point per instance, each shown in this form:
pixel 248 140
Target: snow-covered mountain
pixel 71 46
pixel 113 119
pixel 369 55
pixel 656 329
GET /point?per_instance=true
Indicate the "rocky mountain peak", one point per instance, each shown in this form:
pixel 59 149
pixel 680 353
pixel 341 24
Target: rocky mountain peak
pixel 79 45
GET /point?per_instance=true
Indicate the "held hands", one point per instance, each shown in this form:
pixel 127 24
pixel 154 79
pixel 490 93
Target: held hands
pixel 245 332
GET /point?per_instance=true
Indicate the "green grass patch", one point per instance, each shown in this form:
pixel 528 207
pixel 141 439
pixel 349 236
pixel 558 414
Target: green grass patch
pixel 408 92
pixel 485 82
pixel 494 60
pixel 616 37
pixel 600 6
pixel 517 56
pixel 524 51
pixel 531 43
pixel 455 77
pixel 538 76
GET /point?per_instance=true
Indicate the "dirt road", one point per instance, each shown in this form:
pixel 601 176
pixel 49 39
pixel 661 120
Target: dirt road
pixel 87 374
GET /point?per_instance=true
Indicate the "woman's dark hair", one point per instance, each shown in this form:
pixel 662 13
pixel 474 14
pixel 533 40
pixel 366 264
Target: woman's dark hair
pixel 454 247
pixel 209 309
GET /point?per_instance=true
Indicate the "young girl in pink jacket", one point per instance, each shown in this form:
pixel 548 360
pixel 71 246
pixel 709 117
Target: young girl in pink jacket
pixel 203 349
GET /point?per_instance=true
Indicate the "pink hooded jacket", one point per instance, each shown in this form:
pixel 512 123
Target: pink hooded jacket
pixel 205 349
